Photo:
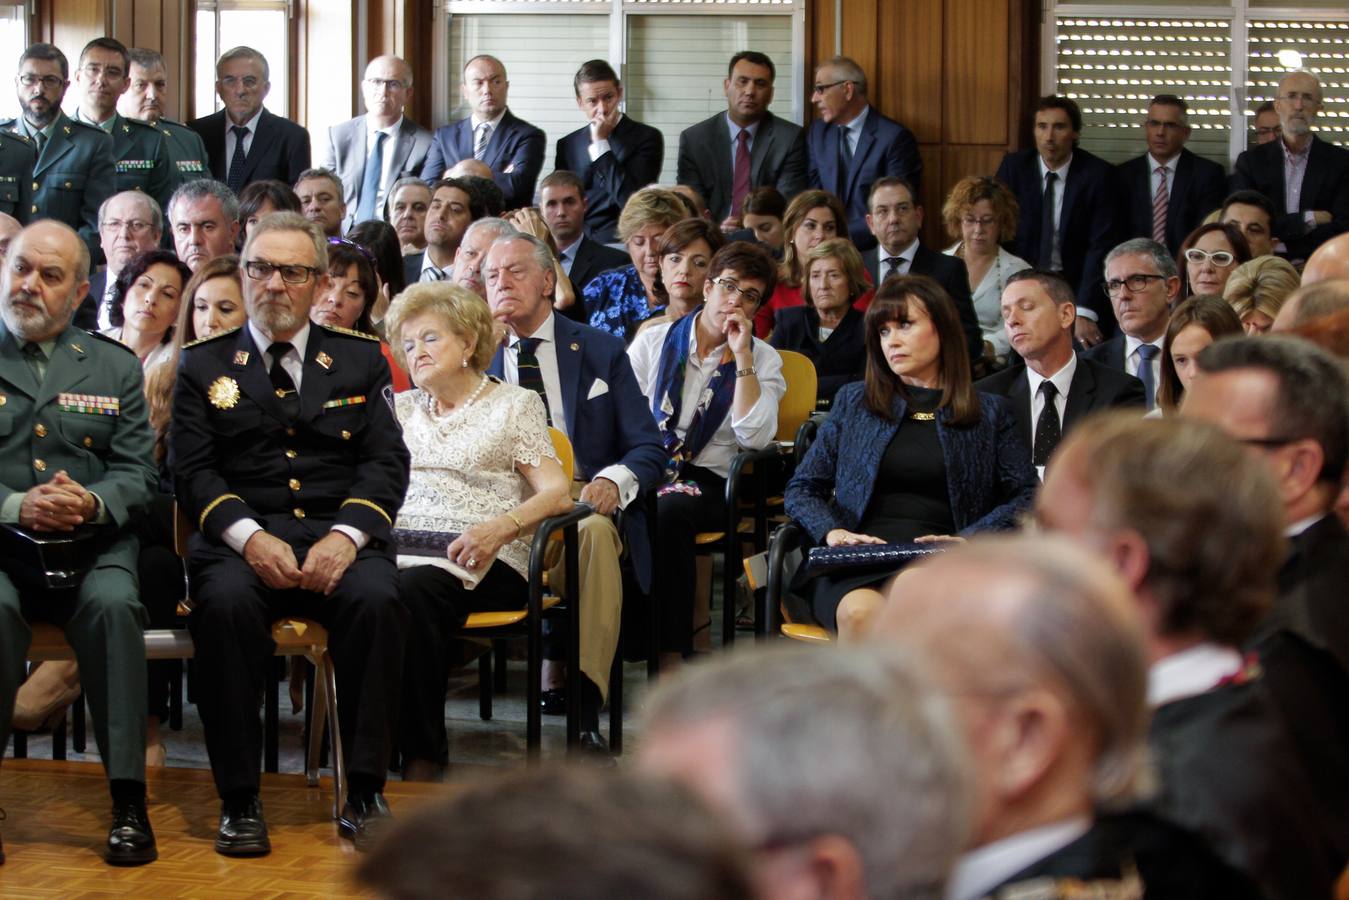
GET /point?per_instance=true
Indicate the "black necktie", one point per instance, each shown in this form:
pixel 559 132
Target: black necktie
pixel 528 371
pixel 282 383
pixel 36 360
pixel 1047 234
pixel 892 264
pixel 1048 429
pixel 235 178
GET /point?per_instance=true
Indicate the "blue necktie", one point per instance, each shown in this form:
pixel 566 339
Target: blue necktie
pixel 1146 353
pixel 235 178
pixel 374 171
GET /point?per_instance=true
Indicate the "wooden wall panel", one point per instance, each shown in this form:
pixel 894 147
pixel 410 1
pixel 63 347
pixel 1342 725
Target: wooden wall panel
pixel 909 81
pixel 975 64
pixel 860 43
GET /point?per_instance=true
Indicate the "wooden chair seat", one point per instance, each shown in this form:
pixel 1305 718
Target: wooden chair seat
pixel 508 617
pixel 811 634
pixel 703 538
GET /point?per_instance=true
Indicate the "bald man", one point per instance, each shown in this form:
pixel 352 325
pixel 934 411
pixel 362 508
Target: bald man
pixel 1331 260
pixel 1312 301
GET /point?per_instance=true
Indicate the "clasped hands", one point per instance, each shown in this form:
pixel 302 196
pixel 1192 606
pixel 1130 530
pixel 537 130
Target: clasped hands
pixel 324 565
pixel 58 505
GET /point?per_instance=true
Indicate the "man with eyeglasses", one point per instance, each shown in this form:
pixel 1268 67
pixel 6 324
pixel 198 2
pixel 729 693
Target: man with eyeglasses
pixel 371 152
pixel 204 218
pixel 1142 282
pixel 1169 190
pixel 851 144
pixel 1306 178
pixel 1266 123
pixel 289 462
pixel 246 142
pixel 139 149
pixel 511 147
pixel 129 224
pixel 75 168
pixel 144 100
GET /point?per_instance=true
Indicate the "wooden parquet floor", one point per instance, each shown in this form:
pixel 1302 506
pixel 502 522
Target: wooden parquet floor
pixel 58 819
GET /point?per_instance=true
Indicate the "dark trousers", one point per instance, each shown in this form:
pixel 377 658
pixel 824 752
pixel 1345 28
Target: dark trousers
pixel 231 628
pixel 438 605
pixel 679 518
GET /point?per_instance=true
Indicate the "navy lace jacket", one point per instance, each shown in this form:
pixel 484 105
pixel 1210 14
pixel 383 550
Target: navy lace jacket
pixel 617 302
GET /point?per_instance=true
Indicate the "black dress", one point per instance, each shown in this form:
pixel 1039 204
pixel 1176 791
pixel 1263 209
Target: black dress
pixel 910 500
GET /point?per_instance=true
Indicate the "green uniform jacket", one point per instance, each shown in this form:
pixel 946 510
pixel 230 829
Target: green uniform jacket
pixel 17 158
pixel 187 154
pixel 88 418
pixel 142 159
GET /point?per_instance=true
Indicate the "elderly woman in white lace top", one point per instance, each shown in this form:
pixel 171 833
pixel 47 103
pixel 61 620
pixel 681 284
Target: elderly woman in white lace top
pixel 483 468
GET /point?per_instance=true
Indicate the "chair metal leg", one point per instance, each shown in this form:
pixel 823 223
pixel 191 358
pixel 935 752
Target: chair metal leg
pixel 616 705
pixel 533 715
pixel 20 745
pixel 318 713
pixel 500 657
pixel 59 736
pixel 176 697
pixel 334 735
pixel 485 685
pixel 271 725
pixel 78 731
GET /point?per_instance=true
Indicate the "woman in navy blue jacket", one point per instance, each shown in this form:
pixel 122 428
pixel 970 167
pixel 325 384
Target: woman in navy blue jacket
pixel 912 453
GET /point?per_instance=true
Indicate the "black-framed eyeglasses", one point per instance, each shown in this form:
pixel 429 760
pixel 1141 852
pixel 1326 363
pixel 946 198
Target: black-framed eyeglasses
pixel 731 286
pixel 1269 129
pixel 259 270
pixel 392 84
pixel 47 81
pixel 821 88
pixel 1135 282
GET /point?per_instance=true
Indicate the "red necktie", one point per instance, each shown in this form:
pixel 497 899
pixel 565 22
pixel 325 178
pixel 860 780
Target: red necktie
pixel 740 183
pixel 1160 201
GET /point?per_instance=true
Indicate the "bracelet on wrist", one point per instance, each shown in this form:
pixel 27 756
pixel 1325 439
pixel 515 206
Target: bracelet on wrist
pixel 519 525
pixel 741 373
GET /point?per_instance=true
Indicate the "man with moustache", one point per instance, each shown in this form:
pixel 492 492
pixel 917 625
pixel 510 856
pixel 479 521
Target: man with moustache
pixel 144 100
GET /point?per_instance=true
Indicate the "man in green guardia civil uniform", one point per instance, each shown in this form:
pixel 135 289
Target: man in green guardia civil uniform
pixel 144 100
pixel 17 158
pixel 76 449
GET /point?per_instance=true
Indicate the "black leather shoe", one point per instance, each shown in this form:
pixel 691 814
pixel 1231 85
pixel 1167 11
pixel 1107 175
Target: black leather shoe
pixel 130 840
pixel 593 750
pixel 363 821
pixel 242 830
pixel 553 702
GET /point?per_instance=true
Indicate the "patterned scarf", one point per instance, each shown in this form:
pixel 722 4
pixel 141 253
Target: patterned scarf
pixel 713 404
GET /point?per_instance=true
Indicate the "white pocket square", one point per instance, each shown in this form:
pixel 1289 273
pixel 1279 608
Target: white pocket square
pixel 598 389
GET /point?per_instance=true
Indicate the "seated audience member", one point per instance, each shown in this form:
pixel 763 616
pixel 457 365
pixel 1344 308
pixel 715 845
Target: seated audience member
pixel 1208 256
pixel 562 201
pixel 204 220
pixel 812 216
pixel 1253 214
pixel 9 229
pixel 1142 282
pixel 1057 387
pixel 1201 564
pixel 1194 324
pixel 484 474
pixel 658 840
pixel 129 224
pixel 405 210
pixel 1055 729
pixel 352 292
pixel 149 290
pixel 621 299
pixel 827 328
pixel 45 278
pixel 712 389
pixel 1266 123
pixel 764 210
pixel 453 206
pixel 381 240
pixel 833 726
pixel 1332 334
pixel 694 204
pixel 484 191
pixel 530 221
pixel 472 250
pixel 320 193
pixel 258 198
pixel 260 510
pixel 469 168
pixel 1311 302
pixel 1256 290
pixel 980 213
pixel 685 252
pixel 912 453
pixel 1331 260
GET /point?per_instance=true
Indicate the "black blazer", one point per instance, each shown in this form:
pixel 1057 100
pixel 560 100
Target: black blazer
pixel 592 258
pixel 1108 353
pixel 86 314
pixel 1198 189
pixel 1325 186
pixel 514 154
pixel 412 267
pixel 636 153
pixel 951 274
pixel 1088 226
pixel 1094 387
pixel 838 360
pixel 279 149
pixel 777 157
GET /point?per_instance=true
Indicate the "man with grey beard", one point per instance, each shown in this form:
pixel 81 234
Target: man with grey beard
pixel 76 454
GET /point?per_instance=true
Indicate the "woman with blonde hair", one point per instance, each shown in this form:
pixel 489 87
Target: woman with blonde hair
pixel 812 216
pixel 1257 289
pixel 619 300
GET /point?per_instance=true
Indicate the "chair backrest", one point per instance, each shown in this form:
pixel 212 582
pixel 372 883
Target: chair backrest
pixel 562 447
pixel 802 387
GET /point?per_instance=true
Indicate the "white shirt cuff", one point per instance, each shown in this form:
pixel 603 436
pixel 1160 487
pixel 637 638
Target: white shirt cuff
pixel 598 149
pixel 626 481
pixel 358 537
pixel 1085 313
pixel 1308 216
pixel 237 535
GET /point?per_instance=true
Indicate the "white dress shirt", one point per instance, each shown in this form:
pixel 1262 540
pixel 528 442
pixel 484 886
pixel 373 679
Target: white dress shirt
pixel 428 266
pixel 1301 525
pixel 1190 672
pixel 902 267
pixel 1062 381
pixel 984 868
pixel 567 255
pixel 1154 179
pixel 1132 359
pixel 597 147
pixel 230 139
pixel 853 130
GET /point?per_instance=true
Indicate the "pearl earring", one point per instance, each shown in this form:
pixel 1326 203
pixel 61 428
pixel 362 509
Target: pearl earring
pixel 463 364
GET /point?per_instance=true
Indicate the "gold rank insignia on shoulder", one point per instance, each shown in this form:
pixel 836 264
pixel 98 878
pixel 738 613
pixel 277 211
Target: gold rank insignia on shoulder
pixel 324 360
pixel 351 331
pixel 215 337
pixel 241 357
pixel 76 347
pixel 344 401
pixel 223 392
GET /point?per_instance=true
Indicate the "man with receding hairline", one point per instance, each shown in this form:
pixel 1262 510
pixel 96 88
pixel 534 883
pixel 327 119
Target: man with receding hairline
pixel 144 100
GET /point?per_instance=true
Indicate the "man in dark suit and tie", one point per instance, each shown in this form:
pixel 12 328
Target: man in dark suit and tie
pixel 1073 231
pixel 592 396
pixel 1142 282
pixel 1168 191
pixel 247 143
pixel 895 218
pixel 129 224
pixel 613 154
pixel 453 207
pixel 371 152
pixel 723 158
pixel 1056 388
pixel 512 148
pixel 1306 177
pixel 851 144
pixel 562 201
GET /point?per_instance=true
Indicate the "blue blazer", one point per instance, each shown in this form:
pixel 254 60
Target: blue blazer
pixel 613 427
pixel 884 147
pixel 514 154
pixel 988 470
pixel 636 153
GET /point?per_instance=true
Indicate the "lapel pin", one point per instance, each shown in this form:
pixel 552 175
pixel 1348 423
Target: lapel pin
pixel 76 347
pixel 575 346
pixel 324 360
pixel 241 357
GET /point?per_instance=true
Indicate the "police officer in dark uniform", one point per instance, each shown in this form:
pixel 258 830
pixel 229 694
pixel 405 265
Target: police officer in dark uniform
pixel 139 148
pixel 17 158
pixel 288 459
pixel 76 450
pixel 75 168
pixel 144 100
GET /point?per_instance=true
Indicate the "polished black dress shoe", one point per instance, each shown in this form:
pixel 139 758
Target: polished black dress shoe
pixel 593 750
pixel 363 821
pixel 130 840
pixel 242 830
pixel 553 702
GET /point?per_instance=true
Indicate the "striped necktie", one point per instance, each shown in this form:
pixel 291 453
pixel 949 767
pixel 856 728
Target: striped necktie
pixel 1160 201
pixel 528 371
pixel 480 144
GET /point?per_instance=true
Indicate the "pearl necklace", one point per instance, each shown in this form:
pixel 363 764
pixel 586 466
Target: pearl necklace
pixel 482 386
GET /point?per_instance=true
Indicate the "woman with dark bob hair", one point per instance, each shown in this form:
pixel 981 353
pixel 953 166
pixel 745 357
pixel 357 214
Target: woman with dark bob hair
pixel 1208 256
pixel 1194 325
pixel 352 292
pixel 258 198
pixel 145 305
pixel 685 252
pixel 911 454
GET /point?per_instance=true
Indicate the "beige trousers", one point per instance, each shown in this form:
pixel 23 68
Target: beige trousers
pixel 600 605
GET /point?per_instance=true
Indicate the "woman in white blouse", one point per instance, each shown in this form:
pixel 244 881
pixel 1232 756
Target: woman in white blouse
pixel 484 475
pixel 981 213
pixel 145 306
pixel 713 388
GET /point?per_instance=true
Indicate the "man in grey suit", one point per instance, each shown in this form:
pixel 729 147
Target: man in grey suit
pixel 723 158
pixel 370 152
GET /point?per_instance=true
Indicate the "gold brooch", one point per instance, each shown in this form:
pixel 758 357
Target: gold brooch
pixel 223 392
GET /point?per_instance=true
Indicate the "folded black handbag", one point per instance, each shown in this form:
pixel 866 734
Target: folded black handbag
pixel 49 560
pixel 865 557
pixel 413 542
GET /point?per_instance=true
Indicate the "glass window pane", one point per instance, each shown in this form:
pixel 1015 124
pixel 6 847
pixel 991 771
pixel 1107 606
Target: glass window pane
pixel 13 39
pixel 204 100
pixel 265 30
